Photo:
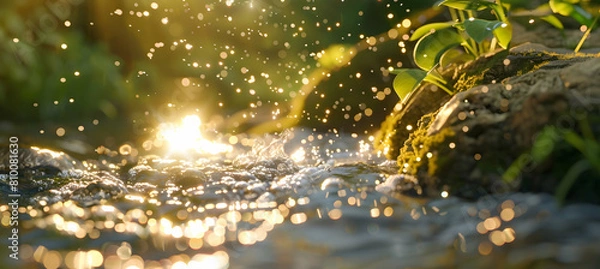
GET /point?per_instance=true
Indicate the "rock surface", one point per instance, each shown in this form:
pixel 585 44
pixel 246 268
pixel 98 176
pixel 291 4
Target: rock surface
pixel 467 145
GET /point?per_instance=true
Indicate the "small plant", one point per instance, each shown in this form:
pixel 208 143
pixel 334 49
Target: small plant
pixel 439 44
pixel 555 140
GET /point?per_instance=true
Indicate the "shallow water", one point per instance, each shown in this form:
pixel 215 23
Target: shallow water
pixel 335 206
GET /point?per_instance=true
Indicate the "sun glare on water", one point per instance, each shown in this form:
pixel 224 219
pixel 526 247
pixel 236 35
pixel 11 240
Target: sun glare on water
pixel 187 137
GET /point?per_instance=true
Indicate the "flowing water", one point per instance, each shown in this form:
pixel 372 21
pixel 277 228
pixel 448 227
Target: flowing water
pixel 284 203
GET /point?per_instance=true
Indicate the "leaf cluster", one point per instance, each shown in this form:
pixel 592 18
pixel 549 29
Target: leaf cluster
pixel 477 27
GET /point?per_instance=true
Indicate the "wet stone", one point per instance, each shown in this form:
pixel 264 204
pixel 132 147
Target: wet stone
pixel 96 192
pixel 89 189
pixel 188 177
pixel 38 157
pixel 146 174
pixel 397 183
pixel 480 132
pixel 40 170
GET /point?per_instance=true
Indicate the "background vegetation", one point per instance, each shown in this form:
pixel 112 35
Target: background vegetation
pixel 115 69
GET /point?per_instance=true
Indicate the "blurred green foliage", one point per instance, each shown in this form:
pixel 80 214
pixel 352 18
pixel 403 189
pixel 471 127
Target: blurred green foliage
pixel 42 82
pixel 142 62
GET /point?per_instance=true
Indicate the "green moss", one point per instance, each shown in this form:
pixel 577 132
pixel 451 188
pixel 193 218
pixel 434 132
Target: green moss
pixel 466 81
pixel 419 155
pixel 387 140
pixel 484 70
pixel 475 163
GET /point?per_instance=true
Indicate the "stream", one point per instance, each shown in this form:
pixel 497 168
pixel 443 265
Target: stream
pixel 314 78
pixel 297 200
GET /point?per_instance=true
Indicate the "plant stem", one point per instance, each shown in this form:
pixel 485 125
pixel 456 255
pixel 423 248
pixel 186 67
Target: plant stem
pixel 585 35
pixel 469 48
pixel 480 47
pixel 569 179
pixel 461 15
pixel 516 168
pixel 453 14
pixel 592 148
pixel 473 47
pixel 493 44
pixel 470 14
pixel 436 80
pixel 499 10
pixel 441 86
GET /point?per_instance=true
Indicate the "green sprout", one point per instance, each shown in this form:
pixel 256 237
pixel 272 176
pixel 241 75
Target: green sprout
pixel 439 44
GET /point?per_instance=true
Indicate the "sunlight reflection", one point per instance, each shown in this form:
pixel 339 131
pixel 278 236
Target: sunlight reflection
pixel 187 137
pixel 299 155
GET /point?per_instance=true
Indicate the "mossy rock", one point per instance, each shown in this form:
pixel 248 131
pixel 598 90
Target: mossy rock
pixel 466 146
pixel 487 69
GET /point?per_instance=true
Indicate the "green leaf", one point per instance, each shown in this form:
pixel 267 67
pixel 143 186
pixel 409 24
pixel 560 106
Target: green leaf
pixel 575 140
pixel 454 56
pixel 407 80
pixel 516 3
pixel 544 144
pixel 561 7
pixel 515 169
pixel 582 16
pixel 479 29
pixel 504 35
pixel 467 4
pixel 539 11
pixel 570 9
pixel 428 28
pixel 552 20
pixel 430 48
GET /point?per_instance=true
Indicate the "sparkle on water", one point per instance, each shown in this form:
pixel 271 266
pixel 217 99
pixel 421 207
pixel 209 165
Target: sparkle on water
pixel 187 137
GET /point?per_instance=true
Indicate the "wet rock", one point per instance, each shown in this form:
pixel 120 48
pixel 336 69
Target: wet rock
pixel 243 176
pixel 213 194
pixel 468 144
pixel 141 188
pixel 397 183
pixel 146 174
pixel 40 157
pixel 265 199
pixel 333 184
pixel 188 177
pixel 89 189
pixel 255 189
pixel 96 192
pixel 488 69
pixel 39 170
